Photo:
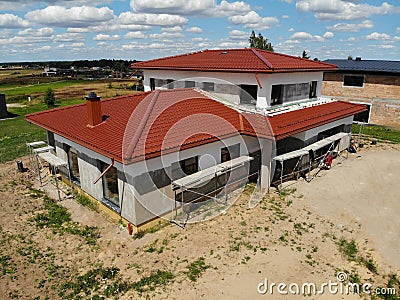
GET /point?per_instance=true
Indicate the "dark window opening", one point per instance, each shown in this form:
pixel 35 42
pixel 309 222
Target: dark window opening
pixel 152 84
pixel 329 132
pixel 248 93
pixel 190 84
pixel 73 164
pixel 353 80
pixel 170 84
pixel 363 117
pixel 50 139
pixel 313 89
pixel 190 165
pixel 208 86
pixel 110 184
pixel 230 152
pixel 276 95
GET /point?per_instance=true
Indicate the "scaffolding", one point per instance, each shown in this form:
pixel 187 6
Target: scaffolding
pixel 308 159
pixel 40 155
pixel 199 195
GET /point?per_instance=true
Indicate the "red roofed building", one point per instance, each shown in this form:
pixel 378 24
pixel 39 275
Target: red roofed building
pixel 146 155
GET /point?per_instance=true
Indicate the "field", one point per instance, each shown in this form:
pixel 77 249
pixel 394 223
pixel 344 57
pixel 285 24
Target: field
pixel 309 233
pixel 15 132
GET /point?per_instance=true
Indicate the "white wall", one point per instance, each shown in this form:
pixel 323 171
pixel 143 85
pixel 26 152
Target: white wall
pixel 266 80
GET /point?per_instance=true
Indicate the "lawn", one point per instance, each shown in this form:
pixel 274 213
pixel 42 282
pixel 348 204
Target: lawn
pixel 10 90
pixel 17 131
pixel 378 132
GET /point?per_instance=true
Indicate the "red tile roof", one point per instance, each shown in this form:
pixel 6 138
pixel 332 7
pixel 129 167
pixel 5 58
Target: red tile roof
pixel 147 125
pixel 235 60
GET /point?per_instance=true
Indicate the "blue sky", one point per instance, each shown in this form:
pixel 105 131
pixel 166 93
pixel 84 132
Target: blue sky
pixel 38 30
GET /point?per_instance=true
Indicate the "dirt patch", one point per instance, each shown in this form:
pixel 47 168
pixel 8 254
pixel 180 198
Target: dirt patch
pixel 292 238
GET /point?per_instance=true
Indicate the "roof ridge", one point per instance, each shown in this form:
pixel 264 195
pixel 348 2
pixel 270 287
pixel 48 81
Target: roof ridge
pixel 262 58
pixel 136 137
pixel 169 57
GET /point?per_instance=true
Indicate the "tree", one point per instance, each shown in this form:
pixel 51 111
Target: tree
pixel 49 97
pixel 305 54
pixel 349 57
pixel 260 42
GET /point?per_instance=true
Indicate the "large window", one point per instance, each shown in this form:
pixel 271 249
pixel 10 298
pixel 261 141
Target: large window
pixel 190 165
pixel 160 178
pixel 283 93
pixel 353 80
pixel 110 184
pixel 73 164
pixel 230 152
pixel 208 86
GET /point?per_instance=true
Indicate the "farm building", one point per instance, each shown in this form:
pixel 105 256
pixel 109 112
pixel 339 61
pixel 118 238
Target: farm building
pixel 145 155
pixel 375 83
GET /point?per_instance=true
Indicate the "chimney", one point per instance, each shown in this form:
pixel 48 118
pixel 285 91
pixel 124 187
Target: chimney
pixel 93 107
pixel 358 58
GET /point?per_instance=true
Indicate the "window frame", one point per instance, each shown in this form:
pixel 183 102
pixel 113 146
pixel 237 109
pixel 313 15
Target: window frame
pixel 190 83
pixel 152 84
pixel 109 201
pixel 72 150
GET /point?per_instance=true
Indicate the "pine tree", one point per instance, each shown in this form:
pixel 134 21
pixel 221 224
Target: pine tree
pixel 260 42
pixel 49 97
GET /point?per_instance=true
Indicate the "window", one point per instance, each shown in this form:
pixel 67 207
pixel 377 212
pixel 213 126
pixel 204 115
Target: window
pixel 276 94
pixel 170 84
pixel 353 80
pixel 110 184
pixel 313 89
pixel 248 93
pixel 364 116
pixel 190 84
pixel 152 84
pixel 190 165
pixel 208 86
pixel 230 152
pixel 283 93
pixel 50 139
pixel 73 164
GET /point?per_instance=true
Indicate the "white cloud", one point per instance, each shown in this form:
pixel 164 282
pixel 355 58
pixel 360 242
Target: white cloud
pixel 239 35
pixel 194 30
pixel 68 37
pixel 254 21
pixel 387 46
pixel 106 37
pixel 190 7
pixel 128 18
pixel 398 29
pixel 78 45
pixel 233 44
pixel 44 48
pixel 82 16
pixel 301 35
pixel 172 29
pixel 77 30
pixel 328 35
pixel 285 17
pixel 378 36
pixel 166 35
pixel 12 21
pixel 135 35
pixel 351 27
pixel 38 32
pixel 291 29
pixel 342 10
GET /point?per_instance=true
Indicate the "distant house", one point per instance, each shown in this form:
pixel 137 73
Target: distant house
pixel 372 82
pixel 143 156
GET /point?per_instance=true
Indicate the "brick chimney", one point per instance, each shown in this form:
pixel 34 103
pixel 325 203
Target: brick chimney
pixel 93 107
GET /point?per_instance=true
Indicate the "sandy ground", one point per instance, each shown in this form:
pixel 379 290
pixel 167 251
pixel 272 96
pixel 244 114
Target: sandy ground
pixel 292 239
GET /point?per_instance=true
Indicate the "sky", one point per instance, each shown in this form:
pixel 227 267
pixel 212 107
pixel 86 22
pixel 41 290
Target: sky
pixel 46 30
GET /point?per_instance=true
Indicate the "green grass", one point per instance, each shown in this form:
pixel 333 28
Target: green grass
pixel 348 249
pixel 17 131
pixel 196 268
pixel 10 90
pixel 379 132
